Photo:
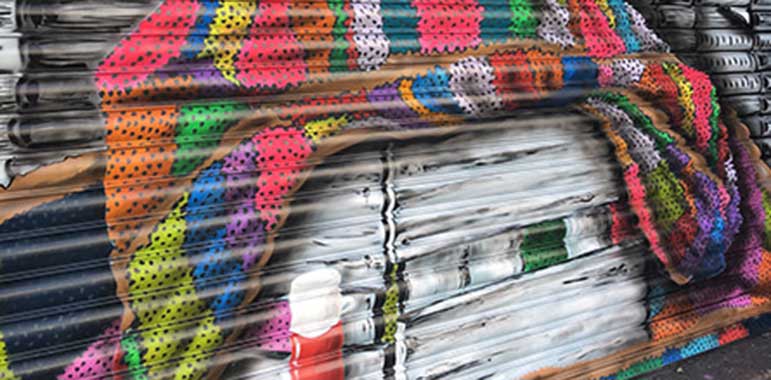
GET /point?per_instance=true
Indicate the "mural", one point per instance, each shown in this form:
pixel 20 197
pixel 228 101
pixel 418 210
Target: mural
pixel 732 42
pixel 368 189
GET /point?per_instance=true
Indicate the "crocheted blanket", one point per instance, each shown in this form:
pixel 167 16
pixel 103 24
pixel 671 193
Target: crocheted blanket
pixel 218 110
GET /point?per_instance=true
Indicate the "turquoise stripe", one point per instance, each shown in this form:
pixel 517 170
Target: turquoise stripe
pixel 400 24
pixel 624 26
pixel 495 22
pixel 700 345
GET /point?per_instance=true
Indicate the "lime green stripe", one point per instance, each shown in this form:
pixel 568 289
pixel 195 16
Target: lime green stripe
pixel 391 306
pixel 523 19
pixel 176 326
pixel 665 194
pixel 5 370
pixel 132 357
pixel 767 219
pixel 663 189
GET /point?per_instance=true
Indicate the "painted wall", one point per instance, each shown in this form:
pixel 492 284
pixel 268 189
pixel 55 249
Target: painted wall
pixel 366 189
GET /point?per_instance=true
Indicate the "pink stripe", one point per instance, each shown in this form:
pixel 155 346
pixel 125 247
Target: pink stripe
pixel 450 25
pixel 96 361
pixel 637 202
pixel 271 57
pixel 702 102
pixel 600 40
pixel 605 76
pixel 281 158
pixel 158 39
pixel 272 332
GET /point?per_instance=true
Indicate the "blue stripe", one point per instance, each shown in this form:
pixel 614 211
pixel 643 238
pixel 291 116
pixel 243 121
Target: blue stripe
pixel 579 72
pixel 217 271
pixel 433 91
pixel 201 29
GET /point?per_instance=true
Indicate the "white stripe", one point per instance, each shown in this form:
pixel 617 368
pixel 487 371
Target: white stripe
pixel 471 82
pixel 372 44
pixel 553 26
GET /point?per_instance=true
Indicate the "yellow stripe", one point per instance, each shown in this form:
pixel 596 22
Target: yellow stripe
pixel 408 97
pixel 5 371
pixel 317 130
pixel 605 8
pixel 684 96
pixel 226 35
pixel 174 322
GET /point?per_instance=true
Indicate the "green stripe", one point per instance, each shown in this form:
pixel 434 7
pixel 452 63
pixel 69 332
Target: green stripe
pixel 661 138
pixel 666 195
pixel 662 187
pixel 544 245
pixel 132 357
pixel 338 57
pixel 640 368
pixel 199 130
pixel 523 19
pixel 713 123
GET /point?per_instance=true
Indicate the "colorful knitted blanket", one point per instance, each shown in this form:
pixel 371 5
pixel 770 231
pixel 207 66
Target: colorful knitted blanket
pixel 218 110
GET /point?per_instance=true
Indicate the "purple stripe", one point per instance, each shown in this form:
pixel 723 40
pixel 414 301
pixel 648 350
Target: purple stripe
pixel 705 200
pixel 208 81
pixel 743 260
pixel 388 103
pixel 751 239
pixel 245 232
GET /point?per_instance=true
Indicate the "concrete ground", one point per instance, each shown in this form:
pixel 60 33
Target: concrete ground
pixel 747 359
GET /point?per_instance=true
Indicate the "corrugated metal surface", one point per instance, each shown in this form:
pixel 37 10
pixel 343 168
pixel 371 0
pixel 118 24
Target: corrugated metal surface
pixel 308 190
pixel 728 39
